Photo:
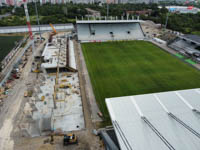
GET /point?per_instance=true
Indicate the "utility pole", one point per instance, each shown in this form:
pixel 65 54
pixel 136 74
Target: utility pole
pixel 166 20
pixel 36 11
pixel 107 8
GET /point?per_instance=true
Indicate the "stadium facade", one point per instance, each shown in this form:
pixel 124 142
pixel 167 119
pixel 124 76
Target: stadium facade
pixel 188 46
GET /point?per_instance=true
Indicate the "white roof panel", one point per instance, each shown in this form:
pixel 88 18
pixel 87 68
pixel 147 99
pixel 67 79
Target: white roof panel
pixel 108 21
pixel 131 129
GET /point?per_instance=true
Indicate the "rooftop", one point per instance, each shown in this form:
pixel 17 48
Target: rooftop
pixel 108 21
pixel 167 120
pixel 36 26
pixel 193 38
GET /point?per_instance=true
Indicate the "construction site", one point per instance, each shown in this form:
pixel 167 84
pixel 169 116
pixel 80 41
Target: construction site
pixel 41 100
pixel 46 96
pixel 69 86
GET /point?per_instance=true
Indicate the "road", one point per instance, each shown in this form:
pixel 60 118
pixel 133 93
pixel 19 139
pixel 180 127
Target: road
pixel 5 15
pixel 8 116
pixel 6 71
pixel 12 106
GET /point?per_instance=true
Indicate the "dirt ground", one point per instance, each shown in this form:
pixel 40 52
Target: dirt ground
pixel 84 143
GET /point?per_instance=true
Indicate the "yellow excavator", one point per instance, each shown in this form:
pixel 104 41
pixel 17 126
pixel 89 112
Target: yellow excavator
pixel 70 139
pixel 67 140
pixel 37 70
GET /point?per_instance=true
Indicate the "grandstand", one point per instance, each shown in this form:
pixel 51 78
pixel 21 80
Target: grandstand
pixel 187 45
pixel 107 30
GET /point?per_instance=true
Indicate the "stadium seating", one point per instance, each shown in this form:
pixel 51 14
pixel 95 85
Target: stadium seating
pixel 180 44
pixel 109 31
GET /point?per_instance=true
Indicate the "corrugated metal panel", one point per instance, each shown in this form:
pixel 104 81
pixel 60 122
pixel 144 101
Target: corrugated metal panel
pixel 127 112
pixel 16 29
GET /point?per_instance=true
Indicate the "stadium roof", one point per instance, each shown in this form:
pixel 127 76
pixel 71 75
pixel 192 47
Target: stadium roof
pixel 159 121
pixel 193 38
pixel 36 26
pixel 108 21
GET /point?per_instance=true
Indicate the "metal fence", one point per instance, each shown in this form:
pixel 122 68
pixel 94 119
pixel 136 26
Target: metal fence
pixel 16 61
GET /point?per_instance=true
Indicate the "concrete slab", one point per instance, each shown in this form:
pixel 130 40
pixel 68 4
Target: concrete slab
pixel 68 116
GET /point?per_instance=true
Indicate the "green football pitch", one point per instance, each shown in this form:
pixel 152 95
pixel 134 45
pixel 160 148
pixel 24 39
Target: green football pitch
pixel 6 44
pixel 135 67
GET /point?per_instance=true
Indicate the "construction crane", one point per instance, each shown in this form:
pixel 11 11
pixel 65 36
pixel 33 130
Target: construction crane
pixel 54 30
pixel 29 24
pixel 52 33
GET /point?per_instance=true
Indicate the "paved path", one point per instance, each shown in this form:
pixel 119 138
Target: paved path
pixel 12 106
pixel 11 109
pixel 86 83
pixel 8 116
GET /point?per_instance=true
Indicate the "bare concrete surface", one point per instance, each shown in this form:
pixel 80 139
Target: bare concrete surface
pixel 87 86
pixel 86 139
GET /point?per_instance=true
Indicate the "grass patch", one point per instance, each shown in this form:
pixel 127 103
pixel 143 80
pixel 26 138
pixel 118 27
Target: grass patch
pixel 196 33
pixel 190 61
pixel 134 67
pixel 6 44
pixel 179 55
